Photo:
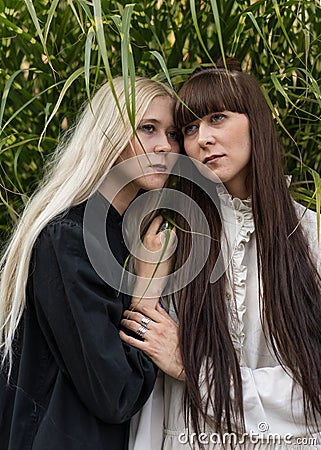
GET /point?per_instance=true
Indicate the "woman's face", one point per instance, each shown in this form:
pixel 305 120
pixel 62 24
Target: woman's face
pixel 221 141
pixel 157 137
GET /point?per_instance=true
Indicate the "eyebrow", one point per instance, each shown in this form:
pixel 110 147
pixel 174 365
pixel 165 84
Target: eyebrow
pixel 156 122
pixel 150 120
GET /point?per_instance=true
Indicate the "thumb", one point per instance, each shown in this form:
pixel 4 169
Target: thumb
pixel 162 311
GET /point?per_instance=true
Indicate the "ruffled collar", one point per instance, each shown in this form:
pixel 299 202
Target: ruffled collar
pixel 233 208
pixel 238 227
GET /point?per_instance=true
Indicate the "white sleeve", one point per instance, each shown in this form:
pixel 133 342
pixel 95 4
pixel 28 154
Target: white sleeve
pixel 146 427
pixel 271 399
pixel 272 402
pixel 309 223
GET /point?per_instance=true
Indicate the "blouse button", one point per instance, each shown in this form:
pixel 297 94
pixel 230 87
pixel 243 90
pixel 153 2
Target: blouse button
pixel 239 218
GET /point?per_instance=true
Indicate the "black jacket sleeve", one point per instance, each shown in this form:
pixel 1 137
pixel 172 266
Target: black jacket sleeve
pixel 79 316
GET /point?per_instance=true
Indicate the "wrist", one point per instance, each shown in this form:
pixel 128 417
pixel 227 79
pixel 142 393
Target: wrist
pixel 181 375
pixel 148 287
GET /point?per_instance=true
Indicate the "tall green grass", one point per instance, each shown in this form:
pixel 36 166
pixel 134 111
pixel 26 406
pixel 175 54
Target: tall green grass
pixel 54 54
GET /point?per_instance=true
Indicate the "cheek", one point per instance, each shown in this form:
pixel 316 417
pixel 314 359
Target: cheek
pixel 241 143
pixel 247 137
pixel 176 148
pixel 127 153
pixel 191 149
pixel 248 147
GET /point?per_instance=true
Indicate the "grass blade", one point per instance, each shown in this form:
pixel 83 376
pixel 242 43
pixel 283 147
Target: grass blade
pixel 89 41
pixel 51 13
pixel 103 48
pixel 66 86
pixel 71 3
pixel 5 94
pixel 35 20
pixel 216 15
pixel 198 32
pixel 18 111
pixel 128 63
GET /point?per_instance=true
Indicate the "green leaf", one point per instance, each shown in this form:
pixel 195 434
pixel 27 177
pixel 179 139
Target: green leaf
pixel 89 42
pixel 198 32
pixel 35 20
pixel 218 28
pixel 103 48
pixel 51 13
pixel 65 88
pixel 5 94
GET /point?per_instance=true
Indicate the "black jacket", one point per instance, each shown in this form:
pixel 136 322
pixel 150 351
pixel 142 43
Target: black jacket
pixel 74 384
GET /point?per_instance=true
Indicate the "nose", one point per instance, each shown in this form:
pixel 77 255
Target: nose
pixel 163 144
pixel 205 135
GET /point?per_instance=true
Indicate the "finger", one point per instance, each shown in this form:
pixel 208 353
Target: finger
pixel 146 311
pixel 139 319
pixel 131 315
pixel 169 241
pixel 137 315
pixel 153 314
pixel 154 226
pixel 164 313
pixel 141 345
pixel 172 237
pixel 137 328
pixel 137 343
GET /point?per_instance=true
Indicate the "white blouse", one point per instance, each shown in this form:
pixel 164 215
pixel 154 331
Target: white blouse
pixel 273 411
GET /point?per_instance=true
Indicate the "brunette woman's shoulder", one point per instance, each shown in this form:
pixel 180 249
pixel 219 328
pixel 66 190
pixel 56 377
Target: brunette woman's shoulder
pixel 311 226
pixel 306 216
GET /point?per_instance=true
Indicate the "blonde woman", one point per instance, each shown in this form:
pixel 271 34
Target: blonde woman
pixel 67 381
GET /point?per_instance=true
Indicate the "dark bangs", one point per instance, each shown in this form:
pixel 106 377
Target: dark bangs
pixel 206 92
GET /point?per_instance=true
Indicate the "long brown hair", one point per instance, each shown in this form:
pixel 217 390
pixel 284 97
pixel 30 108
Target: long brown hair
pixel 289 285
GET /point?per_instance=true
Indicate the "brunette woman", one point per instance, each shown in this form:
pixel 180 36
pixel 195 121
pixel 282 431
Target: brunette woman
pixel 250 342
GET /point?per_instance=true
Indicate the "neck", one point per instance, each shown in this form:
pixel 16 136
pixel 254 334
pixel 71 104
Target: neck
pixel 123 197
pixel 238 193
pixel 238 188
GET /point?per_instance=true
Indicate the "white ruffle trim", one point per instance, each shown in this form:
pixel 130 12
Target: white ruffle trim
pixel 237 214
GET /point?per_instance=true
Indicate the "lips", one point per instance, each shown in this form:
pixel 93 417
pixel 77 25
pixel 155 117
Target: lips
pixel 159 167
pixel 212 158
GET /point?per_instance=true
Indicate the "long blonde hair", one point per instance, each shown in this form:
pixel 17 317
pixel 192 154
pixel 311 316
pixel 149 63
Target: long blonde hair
pixel 81 160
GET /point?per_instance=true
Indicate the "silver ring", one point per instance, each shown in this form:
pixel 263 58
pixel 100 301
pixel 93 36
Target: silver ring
pixel 145 321
pixel 141 331
pixel 164 226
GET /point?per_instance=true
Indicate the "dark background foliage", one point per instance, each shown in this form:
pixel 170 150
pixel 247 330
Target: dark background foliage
pixel 53 54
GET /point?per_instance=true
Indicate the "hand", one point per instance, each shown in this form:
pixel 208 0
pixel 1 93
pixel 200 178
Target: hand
pixel 160 338
pixel 154 261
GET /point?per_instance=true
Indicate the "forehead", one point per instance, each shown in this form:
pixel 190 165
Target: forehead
pixel 159 104
pixel 160 110
pixel 207 93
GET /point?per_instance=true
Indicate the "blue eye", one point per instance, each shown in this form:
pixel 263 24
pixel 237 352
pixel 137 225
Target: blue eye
pixel 172 135
pixel 147 128
pixel 217 117
pixel 189 129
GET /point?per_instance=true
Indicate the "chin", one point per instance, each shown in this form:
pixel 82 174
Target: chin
pixel 155 181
